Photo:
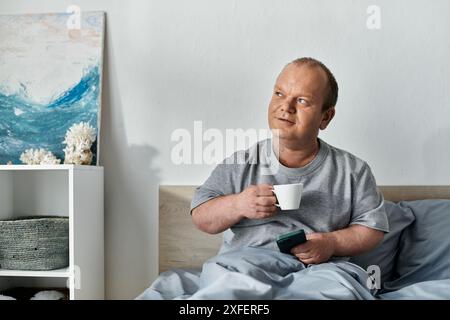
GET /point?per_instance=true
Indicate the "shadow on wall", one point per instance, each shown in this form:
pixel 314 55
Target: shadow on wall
pixel 131 189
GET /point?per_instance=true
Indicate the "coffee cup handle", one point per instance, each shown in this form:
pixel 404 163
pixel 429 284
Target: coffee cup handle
pixel 276 204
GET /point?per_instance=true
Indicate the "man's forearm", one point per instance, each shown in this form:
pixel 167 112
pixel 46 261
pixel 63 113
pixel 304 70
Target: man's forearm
pixel 216 215
pixel 355 240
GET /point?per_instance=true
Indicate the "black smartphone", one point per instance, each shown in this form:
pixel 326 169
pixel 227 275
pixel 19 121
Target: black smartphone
pixel 289 240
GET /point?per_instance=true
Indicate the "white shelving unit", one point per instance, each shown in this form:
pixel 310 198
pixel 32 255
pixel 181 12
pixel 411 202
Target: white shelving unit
pixel 61 190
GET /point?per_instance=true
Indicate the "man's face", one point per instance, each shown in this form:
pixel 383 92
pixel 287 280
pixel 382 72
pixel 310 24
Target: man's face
pixel 296 105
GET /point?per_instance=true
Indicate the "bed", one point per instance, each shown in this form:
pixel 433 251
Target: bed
pixel 415 257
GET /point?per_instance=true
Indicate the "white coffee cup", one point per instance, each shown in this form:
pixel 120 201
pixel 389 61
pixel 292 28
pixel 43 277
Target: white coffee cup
pixel 288 195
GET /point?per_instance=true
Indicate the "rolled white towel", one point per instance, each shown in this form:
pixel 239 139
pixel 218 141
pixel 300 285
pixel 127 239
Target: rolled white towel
pixel 48 295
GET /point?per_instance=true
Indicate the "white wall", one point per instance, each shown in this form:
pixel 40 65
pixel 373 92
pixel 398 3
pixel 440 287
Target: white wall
pixel 169 63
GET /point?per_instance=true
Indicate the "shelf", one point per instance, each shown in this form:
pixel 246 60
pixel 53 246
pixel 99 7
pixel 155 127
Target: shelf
pixel 58 273
pixel 18 167
pixel 73 191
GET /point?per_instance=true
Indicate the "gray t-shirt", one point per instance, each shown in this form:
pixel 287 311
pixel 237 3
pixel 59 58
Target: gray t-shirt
pixel 338 190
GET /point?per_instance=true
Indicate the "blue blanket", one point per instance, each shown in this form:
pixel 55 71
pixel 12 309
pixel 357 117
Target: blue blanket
pixel 426 290
pixel 255 273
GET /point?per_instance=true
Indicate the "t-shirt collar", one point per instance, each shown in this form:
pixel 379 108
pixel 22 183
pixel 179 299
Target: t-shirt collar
pixel 320 156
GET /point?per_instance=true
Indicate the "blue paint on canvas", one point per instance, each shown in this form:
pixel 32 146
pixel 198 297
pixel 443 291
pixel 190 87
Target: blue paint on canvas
pixel 50 79
pixel 23 122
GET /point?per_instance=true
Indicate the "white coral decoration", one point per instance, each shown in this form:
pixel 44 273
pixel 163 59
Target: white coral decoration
pixel 38 156
pixel 79 139
pixel 80 133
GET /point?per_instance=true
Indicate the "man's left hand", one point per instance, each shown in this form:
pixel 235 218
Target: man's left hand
pixel 319 248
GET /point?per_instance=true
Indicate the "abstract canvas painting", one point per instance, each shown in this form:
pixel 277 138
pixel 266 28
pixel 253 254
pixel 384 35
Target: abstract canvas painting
pixel 50 79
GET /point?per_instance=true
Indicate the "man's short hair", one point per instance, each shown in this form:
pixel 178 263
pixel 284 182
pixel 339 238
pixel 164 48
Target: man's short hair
pixel 332 94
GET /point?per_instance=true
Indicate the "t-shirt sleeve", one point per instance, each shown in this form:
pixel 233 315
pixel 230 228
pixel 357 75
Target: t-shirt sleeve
pixel 367 202
pixel 218 184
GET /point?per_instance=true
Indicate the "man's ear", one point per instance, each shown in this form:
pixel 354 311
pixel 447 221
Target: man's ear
pixel 326 118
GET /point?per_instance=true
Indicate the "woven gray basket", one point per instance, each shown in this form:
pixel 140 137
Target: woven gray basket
pixel 34 243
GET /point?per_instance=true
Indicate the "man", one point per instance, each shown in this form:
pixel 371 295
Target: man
pixel 341 209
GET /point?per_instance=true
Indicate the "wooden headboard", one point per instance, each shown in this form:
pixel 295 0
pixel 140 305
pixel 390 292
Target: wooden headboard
pixel 181 245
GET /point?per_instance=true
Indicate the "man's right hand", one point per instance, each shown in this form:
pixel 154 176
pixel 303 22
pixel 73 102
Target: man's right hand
pixel 256 202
